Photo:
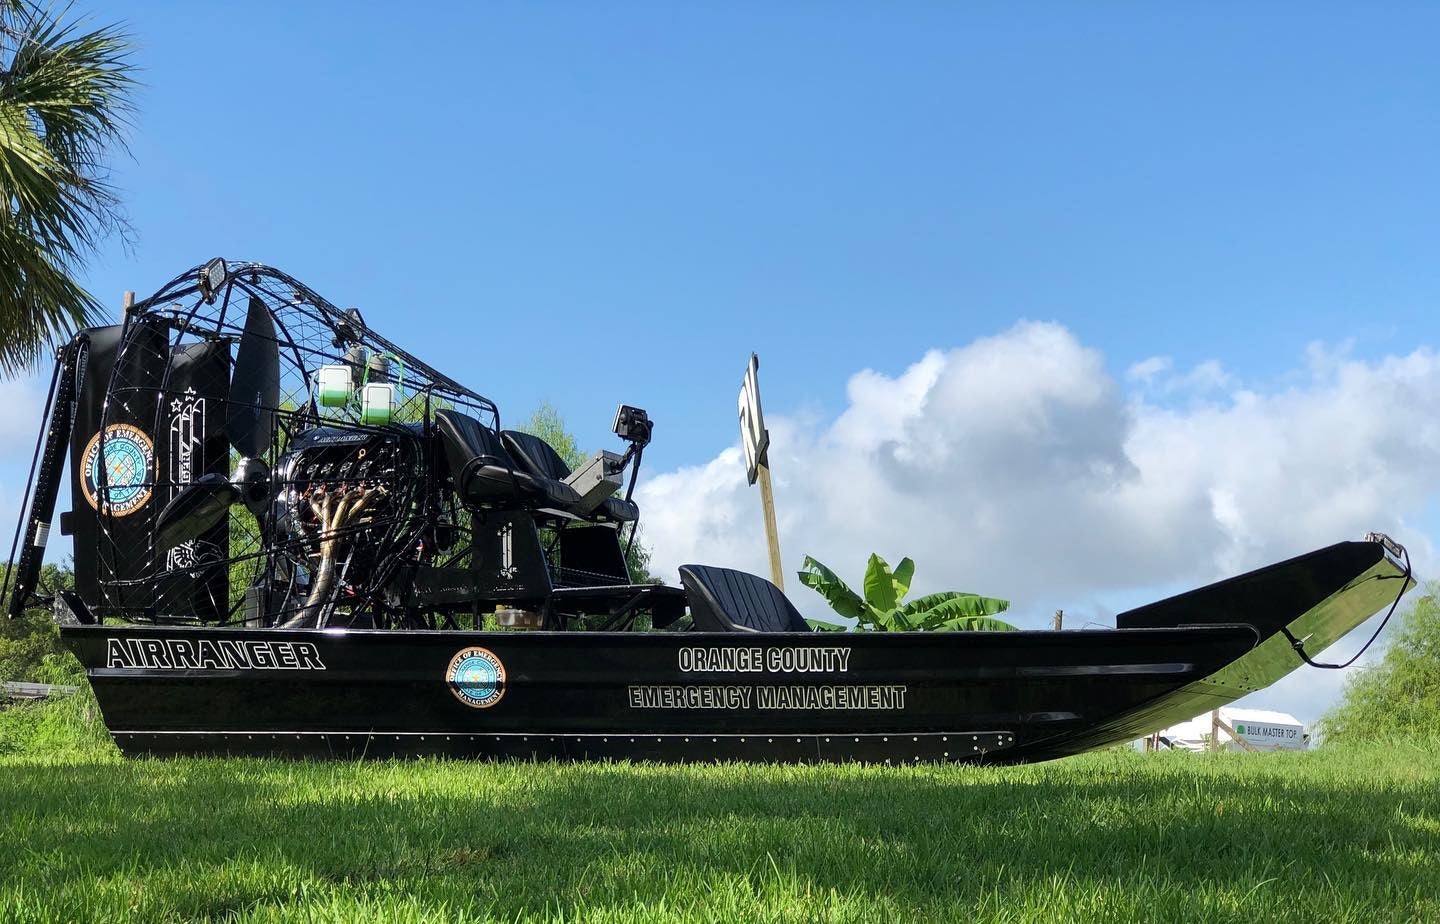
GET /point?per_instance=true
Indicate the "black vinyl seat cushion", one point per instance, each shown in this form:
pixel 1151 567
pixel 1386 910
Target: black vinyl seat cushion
pixel 487 476
pixel 538 458
pixel 619 509
pixel 726 600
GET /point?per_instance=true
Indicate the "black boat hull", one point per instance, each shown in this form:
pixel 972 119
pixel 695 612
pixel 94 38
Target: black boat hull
pixel 897 697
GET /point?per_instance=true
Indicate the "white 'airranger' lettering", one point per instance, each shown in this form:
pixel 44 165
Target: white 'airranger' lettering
pixel 180 654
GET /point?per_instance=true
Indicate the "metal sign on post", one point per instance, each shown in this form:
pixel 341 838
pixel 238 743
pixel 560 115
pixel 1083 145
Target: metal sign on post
pixel 756 440
pixel 752 422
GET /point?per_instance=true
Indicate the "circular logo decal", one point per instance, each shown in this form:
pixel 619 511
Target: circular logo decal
pixel 476 677
pixel 129 460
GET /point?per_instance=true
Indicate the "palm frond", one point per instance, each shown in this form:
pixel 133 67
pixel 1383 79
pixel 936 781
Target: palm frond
pixel 65 101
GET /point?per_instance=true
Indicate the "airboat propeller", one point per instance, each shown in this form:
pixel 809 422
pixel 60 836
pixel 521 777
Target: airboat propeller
pixel 250 428
pixel 195 510
pixel 255 386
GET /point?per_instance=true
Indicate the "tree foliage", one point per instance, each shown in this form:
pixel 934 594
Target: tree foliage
pixel 1400 696
pixel 65 95
pixel 30 647
pixel 880 609
pixel 547 424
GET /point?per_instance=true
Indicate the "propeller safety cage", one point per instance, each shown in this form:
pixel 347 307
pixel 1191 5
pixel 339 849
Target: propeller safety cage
pixel 239 434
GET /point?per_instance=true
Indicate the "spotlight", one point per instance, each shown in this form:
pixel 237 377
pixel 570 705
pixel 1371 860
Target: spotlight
pixel 212 277
pixel 633 425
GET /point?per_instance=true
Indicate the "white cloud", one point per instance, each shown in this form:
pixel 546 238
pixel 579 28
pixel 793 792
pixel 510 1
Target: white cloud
pixel 1147 369
pixel 1016 466
pixel 1153 375
pixel 1205 377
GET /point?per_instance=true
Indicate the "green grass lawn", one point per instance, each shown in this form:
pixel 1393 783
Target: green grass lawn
pixel 1342 835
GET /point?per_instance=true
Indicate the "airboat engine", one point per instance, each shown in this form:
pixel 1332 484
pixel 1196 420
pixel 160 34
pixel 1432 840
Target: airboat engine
pixel 344 508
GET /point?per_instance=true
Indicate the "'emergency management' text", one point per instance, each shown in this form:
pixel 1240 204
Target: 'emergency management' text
pixel 824 697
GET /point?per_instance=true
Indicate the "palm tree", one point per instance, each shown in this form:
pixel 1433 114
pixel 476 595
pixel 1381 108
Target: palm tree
pixel 65 98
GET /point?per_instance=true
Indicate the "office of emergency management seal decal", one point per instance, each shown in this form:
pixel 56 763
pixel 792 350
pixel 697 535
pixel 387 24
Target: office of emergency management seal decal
pixel 476 677
pixel 126 480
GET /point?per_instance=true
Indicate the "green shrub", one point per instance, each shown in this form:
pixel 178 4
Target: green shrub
pixel 62 726
pixel 30 647
pixel 1400 696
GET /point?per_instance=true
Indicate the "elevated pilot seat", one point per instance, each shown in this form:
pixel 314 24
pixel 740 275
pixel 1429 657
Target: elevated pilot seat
pixel 540 460
pixel 486 476
pixel 726 600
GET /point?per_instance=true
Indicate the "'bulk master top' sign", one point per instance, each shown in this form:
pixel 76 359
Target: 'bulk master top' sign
pixel 1271 736
pixel 1260 729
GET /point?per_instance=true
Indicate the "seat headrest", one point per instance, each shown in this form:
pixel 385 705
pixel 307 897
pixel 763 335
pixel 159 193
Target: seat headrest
pixel 535 455
pixel 468 438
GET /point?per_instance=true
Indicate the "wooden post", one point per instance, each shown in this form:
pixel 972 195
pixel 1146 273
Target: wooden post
pixel 1221 725
pixel 128 303
pixel 1059 622
pixel 756 440
pixel 772 532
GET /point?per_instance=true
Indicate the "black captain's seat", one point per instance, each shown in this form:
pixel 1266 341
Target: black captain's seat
pixel 540 460
pixel 485 474
pixel 726 600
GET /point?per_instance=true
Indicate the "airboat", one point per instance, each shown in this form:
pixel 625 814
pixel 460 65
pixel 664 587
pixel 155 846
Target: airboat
pixel 292 537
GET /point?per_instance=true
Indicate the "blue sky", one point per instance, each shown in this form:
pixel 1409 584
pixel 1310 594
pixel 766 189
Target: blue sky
pixel 594 203
pixel 570 194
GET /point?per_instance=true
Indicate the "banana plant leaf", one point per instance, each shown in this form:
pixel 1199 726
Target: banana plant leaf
pixel 975 624
pixel 880 609
pixel 956 604
pixel 827 584
pixel 897 621
pixel 904 573
pixel 880 585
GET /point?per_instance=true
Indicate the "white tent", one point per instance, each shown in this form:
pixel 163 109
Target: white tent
pixel 1261 729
